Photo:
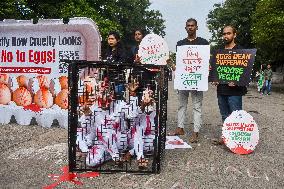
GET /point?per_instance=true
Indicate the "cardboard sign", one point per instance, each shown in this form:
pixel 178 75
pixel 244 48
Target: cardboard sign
pixel 33 80
pixel 174 142
pixel 153 49
pixel 240 132
pixel 234 65
pixel 192 67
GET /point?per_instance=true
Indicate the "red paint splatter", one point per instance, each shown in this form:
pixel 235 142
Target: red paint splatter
pixel 69 177
pixel 148 127
pixel 176 142
pixel 241 150
pixel 33 107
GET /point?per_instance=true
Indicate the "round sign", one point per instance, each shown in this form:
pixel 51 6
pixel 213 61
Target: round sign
pixel 153 49
pixel 240 132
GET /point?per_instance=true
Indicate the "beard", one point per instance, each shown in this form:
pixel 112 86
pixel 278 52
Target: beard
pixel 228 41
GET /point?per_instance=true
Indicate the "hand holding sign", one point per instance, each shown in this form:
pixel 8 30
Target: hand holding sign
pixel 192 62
pixel 232 66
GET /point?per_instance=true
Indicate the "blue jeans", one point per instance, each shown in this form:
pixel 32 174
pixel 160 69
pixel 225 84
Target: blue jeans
pixel 267 86
pixel 119 90
pixel 228 104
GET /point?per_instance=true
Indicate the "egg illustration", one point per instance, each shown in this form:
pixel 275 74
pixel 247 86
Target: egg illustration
pixel 22 97
pixel 63 82
pixel 62 99
pixel 43 81
pixel 4 78
pixel 43 98
pixel 22 81
pixel 5 94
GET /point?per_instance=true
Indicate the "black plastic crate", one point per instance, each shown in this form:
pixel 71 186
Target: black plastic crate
pixel 113 128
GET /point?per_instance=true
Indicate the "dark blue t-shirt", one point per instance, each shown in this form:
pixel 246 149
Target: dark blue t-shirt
pixel 196 41
pixel 225 89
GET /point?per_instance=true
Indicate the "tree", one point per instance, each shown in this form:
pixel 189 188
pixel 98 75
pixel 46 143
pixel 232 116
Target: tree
pixel 120 15
pixel 11 9
pixel 267 30
pixel 236 13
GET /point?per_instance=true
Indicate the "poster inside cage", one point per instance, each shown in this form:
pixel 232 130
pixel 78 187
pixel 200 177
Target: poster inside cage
pixel 33 80
pixel 192 67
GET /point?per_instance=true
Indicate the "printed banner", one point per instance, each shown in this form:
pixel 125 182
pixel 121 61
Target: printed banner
pixel 234 65
pixel 153 49
pixel 240 132
pixel 192 67
pixel 34 53
pixel 33 80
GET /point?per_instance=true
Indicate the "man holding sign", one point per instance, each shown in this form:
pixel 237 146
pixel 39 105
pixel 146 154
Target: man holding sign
pixel 196 96
pixel 229 95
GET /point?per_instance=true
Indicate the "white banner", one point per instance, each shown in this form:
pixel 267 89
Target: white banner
pixel 192 67
pixel 33 81
pixel 33 53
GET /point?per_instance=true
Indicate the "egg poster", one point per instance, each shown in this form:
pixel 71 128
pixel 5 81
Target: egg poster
pixel 33 77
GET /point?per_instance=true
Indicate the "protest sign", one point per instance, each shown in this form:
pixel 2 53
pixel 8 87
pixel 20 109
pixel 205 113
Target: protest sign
pixel 174 142
pixel 153 49
pixel 31 70
pixel 192 67
pixel 240 132
pixel 232 65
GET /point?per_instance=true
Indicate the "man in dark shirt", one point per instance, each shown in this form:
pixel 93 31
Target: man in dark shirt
pixel 229 95
pixel 196 96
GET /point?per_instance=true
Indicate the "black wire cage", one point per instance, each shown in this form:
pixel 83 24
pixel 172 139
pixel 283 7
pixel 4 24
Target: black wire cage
pixel 117 116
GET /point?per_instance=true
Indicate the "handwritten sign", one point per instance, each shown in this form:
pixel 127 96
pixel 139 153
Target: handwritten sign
pixel 232 66
pixel 30 57
pixel 192 67
pixel 240 132
pixel 153 49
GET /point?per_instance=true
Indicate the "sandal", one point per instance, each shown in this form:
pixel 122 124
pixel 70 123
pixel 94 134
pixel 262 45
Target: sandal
pixel 177 132
pixel 218 141
pixel 127 157
pixel 143 163
pixel 194 137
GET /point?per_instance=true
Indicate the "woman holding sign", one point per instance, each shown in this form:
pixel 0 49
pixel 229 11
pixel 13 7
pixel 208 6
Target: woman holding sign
pixel 115 53
pixel 229 95
pixel 140 77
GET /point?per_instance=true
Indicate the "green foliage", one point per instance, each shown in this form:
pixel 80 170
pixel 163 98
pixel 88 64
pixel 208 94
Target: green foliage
pixel 267 30
pixel 120 15
pixel 236 13
pixel 11 9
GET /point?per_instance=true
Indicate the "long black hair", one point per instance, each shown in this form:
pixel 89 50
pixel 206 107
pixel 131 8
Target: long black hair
pixel 117 55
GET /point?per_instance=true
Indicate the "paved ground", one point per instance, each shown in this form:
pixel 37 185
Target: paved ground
pixel 30 153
